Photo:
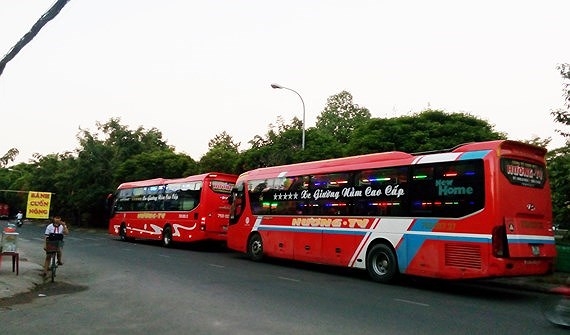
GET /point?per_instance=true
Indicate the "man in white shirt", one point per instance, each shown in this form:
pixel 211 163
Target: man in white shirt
pixel 20 218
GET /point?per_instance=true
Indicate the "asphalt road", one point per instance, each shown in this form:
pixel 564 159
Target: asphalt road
pixel 112 287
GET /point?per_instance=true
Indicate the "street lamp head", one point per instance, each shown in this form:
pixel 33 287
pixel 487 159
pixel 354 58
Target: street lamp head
pixel 302 102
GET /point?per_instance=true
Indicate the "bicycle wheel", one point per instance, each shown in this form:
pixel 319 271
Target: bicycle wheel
pixel 53 267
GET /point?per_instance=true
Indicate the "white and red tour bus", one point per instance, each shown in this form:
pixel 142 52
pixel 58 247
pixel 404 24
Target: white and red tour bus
pixel 479 210
pixel 188 209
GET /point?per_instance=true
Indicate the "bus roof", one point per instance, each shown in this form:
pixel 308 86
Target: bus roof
pixel 392 158
pixel 162 181
pixel 202 177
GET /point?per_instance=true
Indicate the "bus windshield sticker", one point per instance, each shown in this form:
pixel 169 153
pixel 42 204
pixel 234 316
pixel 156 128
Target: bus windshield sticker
pixel 221 186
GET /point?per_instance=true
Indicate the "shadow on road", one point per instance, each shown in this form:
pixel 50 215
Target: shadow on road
pixel 42 290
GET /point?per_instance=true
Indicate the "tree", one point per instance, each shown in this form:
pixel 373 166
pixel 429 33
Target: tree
pixel 559 177
pixel 15 180
pixel 127 143
pixel 559 159
pixel 341 116
pixel 562 115
pixel 105 159
pixel 281 145
pixel 8 157
pixel 156 164
pixel 58 174
pixel 222 155
pixel 323 146
pixel 425 131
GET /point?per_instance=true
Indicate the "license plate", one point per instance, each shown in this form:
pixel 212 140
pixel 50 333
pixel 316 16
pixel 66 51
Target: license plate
pixel 535 249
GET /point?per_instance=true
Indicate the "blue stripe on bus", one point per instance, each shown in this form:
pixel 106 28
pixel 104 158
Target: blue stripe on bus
pixel 474 155
pixel 424 224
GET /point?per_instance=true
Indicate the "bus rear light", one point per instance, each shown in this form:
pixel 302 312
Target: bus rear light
pixel 499 242
pixel 203 224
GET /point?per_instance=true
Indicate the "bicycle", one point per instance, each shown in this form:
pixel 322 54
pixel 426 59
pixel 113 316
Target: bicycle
pixel 51 250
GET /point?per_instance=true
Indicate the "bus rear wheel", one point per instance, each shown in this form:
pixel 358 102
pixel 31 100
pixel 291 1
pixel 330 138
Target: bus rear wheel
pixel 255 247
pixel 382 264
pixel 167 237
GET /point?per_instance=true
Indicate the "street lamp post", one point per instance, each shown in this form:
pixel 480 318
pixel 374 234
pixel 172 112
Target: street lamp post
pixel 302 102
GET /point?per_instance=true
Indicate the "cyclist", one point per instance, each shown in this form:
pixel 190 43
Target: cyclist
pixel 54 231
pixel 20 218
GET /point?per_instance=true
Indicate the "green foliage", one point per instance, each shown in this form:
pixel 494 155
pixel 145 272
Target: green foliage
pixel 281 145
pixel 559 159
pixel 341 116
pixel 14 180
pixel 155 164
pixel 426 131
pixel 562 115
pixel 222 156
pixel 559 174
pixel 80 182
pixel 58 174
pixel 127 143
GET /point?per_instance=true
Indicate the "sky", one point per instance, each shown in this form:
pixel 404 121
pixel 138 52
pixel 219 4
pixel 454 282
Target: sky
pixel 194 69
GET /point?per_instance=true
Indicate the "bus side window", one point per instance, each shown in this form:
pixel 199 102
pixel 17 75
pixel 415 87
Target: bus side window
pixel 422 191
pixel 388 192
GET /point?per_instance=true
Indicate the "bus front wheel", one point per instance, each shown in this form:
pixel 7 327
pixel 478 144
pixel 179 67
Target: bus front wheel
pixel 167 237
pixel 382 264
pixel 255 247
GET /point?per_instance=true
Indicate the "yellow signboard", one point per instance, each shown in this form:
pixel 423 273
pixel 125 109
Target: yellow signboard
pixel 38 205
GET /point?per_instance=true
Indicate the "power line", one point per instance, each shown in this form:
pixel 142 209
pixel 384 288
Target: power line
pixel 48 16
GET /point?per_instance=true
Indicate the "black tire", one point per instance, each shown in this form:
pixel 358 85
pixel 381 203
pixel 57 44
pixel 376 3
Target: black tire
pixel 123 233
pixel 382 264
pixel 167 237
pixel 53 267
pixel 255 247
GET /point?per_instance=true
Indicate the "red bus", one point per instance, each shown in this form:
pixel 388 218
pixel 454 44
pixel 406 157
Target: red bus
pixel 4 211
pixel 187 209
pixel 479 210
